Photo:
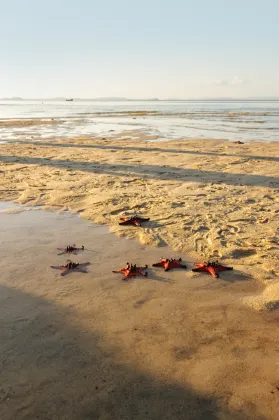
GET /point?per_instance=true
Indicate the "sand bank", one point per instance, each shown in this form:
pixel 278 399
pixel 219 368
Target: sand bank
pixel 90 346
pixel 26 122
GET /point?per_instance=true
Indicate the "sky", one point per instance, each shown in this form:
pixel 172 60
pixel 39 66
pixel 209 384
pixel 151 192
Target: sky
pixel 139 48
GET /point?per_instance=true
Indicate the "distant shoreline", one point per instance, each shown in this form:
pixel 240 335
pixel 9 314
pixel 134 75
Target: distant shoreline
pixel 143 100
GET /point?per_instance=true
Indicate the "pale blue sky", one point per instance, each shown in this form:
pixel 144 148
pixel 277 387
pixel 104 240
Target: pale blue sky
pixel 139 48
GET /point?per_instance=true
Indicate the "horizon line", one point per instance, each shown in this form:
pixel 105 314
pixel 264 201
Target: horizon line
pixel 116 98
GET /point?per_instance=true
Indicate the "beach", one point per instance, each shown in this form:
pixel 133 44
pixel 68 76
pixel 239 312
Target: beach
pixel 139 211
pixel 90 346
pixel 204 198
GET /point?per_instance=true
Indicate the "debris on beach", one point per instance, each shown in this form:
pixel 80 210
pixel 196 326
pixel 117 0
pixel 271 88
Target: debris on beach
pixel 169 264
pixel 238 142
pixel 212 268
pixel 71 266
pixel 70 249
pixel 134 220
pixel 131 270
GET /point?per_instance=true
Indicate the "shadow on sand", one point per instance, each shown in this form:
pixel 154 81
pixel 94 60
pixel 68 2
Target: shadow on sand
pixel 51 368
pixel 153 149
pixel 151 171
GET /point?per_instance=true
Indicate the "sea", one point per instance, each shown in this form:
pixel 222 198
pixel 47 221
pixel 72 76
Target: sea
pixel 243 120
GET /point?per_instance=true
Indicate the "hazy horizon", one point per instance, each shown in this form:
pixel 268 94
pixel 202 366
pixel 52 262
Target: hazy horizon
pixel 162 49
pixel 108 98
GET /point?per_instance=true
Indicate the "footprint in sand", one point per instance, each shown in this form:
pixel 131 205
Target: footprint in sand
pixel 250 201
pixel 240 220
pixel 183 353
pixel 177 204
pixel 199 247
pixel 232 229
pixel 243 253
pixel 115 212
pixel 148 237
pixel 141 302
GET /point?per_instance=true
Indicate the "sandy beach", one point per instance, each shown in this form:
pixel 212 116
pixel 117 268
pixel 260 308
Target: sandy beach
pixel 146 349
pixel 147 135
pixel 90 346
pixel 204 198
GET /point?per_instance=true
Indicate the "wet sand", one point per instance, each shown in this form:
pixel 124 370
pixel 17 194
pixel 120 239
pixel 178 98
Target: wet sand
pixel 27 122
pixel 206 198
pixel 176 345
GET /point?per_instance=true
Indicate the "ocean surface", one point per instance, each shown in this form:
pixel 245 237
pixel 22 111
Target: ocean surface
pixel 159 120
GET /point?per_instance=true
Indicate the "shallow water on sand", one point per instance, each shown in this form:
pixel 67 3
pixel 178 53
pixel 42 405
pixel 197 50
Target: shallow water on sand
pixel 174 345
pixel 27 228
pixel 231 120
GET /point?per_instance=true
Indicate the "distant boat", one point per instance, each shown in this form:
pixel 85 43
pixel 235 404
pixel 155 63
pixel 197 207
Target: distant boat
pixel 69 100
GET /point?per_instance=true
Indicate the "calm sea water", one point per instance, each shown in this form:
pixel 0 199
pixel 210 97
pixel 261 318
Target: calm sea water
pixel 163 120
